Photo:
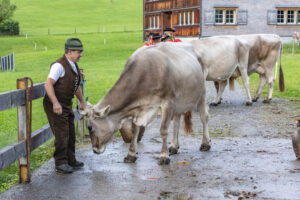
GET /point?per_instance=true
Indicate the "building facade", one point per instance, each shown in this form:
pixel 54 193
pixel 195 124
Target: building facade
pixel 204 18
pixel 184 15
pixel 235 17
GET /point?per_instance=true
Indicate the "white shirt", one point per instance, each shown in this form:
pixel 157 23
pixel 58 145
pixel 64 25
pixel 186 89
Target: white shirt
pixel 57 70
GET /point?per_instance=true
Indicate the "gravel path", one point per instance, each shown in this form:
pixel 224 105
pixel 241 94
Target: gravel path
pixel 251 158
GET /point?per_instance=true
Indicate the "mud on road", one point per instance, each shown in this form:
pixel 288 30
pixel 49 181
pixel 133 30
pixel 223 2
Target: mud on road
pixel 251 158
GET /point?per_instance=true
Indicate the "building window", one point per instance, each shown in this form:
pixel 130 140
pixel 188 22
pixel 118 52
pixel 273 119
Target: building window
pixel 280 16
pixel 288 16
pixel 193 17
pixel 225 16
pixel 154 22
pixel 219 16
pixel 179 19
pixel 186 18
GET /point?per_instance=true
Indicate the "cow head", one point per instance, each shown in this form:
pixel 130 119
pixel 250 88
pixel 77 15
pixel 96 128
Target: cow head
pixel 100 127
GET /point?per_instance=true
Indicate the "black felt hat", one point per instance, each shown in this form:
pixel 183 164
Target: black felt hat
pixel 156 36
pixel 170 29
pixel 150 35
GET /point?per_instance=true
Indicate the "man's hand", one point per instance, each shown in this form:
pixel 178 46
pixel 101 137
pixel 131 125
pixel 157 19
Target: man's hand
pixel 57 109
pixel 82 105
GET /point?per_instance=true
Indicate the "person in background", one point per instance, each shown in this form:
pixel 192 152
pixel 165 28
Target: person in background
pixel 62 83
pixel 168 35
pixel 153 38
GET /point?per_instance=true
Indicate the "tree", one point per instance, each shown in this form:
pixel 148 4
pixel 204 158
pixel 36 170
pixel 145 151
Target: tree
pixel 7 25
pixel 6 10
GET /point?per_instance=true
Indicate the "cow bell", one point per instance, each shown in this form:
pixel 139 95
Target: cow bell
pixel 296 140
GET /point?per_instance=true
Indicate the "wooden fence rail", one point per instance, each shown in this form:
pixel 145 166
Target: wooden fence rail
pixel 18 150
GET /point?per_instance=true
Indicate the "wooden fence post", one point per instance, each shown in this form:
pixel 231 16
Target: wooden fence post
pixel 80 123
pixel 24 162
pixel 293 47
pixel 13 61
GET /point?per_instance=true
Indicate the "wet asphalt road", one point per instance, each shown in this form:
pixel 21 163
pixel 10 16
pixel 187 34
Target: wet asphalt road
pixel 251 157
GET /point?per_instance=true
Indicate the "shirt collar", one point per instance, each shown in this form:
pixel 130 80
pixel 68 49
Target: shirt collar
pixel 71 63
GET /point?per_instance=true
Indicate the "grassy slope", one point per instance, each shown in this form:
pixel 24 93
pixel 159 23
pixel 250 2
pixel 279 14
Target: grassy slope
pixel 62 16
pixel 102 63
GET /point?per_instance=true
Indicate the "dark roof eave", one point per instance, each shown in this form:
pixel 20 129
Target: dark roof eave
pixel 172 9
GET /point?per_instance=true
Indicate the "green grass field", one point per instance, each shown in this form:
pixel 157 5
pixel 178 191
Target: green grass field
pixel 102 63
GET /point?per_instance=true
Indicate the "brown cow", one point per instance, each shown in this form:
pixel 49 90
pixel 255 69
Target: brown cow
pixel 166 77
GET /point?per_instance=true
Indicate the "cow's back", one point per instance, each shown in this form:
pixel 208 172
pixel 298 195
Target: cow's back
pixel 155 75
pixel 220 55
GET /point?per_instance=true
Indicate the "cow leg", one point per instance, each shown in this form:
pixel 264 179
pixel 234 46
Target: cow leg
pixel 173 149
pixel 166 118
pixel 271 87
pixel 246 84
pixel 222 86
pixel 262 82
pixel 131 157
pixel 203 111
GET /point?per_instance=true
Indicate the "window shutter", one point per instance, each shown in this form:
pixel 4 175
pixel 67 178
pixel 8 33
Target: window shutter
pixel 272 17
pixel 242 17
pixel 209 17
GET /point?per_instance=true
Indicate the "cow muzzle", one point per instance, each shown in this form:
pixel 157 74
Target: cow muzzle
pixel 99 150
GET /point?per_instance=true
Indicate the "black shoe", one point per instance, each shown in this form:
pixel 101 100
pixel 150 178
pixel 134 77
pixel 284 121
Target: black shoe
pixel 76 164
pixel 64 169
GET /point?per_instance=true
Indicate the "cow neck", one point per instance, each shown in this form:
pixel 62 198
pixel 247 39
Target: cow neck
pixel 121 98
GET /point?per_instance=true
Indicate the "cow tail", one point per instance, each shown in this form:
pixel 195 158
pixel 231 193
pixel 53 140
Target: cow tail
pixel 231 83
pixel 187 123
pixel 281 78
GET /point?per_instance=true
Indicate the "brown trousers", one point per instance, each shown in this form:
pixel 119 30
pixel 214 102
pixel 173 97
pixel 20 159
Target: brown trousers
pixel 63 129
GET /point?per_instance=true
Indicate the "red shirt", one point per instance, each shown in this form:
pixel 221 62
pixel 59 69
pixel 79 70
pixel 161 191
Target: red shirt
pixel 175 40
pixel 146 44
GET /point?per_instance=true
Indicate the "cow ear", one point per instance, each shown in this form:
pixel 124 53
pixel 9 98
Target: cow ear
pixel 89 104
pixel 102 112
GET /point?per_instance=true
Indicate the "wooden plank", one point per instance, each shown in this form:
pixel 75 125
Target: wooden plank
pixel 38 91
pixel 40 136
pixel 14 152
pixel 11 99
pixel 15 98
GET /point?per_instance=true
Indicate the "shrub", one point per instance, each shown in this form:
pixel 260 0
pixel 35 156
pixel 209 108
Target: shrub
pixel 9 27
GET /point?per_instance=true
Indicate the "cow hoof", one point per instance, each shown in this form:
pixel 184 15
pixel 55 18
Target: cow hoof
pixel 213 104
pixel 205 147
pixel 248 103
pixel 267 101
pixel 254 100
pixel 219 102
pixel 130 159
pixel 173 151
pixel 164 161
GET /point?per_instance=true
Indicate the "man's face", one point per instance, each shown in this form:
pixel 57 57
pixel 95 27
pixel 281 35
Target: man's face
pixel 74 55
